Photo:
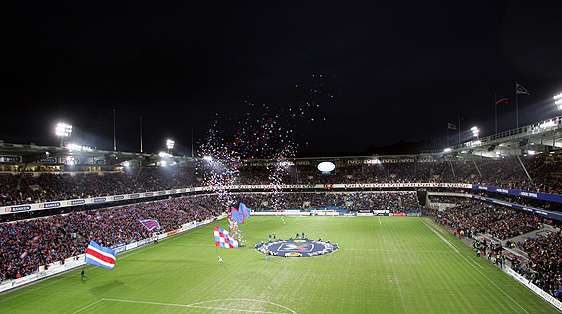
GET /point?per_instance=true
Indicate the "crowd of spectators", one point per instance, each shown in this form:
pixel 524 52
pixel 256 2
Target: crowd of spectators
pixel 351 201
pixel 476 217
pixel 46 187
pixel 27 244
pixel 545 173
pixel 544 267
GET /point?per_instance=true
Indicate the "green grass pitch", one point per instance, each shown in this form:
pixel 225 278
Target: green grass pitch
pixel 384 265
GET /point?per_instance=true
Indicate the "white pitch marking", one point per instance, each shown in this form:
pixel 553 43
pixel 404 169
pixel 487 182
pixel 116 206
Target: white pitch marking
pixel 478 270
pixel 195 305
pixel 80 310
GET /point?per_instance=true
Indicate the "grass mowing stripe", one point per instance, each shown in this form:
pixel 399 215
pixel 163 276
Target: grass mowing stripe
pixel 472 264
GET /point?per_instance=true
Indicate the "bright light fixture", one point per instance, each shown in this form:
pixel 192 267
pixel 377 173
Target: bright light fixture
pixel 63 129
pixel 170 144
pixel 558 100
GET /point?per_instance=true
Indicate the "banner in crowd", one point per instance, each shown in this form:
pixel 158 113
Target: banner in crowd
pixel 150 224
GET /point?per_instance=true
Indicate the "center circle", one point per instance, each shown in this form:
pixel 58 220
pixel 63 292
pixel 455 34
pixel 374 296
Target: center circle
pixel 297 248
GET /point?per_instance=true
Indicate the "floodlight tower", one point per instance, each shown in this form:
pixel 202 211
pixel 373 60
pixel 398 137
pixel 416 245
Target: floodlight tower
pixel 475 131
pixel 558 100
pixel 63 130
pixel 170 145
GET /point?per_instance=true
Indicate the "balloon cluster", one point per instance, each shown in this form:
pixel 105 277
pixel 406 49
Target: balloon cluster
pixel 278 170
pixel 221 169
pixel 260 130
pixel 265 132
pixel 235 231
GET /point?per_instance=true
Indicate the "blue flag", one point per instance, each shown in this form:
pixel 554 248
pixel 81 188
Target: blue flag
pixel 244 210
pixel 236 215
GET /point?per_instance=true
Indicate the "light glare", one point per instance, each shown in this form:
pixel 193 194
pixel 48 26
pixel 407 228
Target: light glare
pixel 63 129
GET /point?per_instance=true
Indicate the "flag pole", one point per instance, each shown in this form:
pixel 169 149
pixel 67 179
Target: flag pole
pixel 459 129
pixel 114 139
pixel 516 109
pixel 141 133
pixel 447 134
pixel 496 110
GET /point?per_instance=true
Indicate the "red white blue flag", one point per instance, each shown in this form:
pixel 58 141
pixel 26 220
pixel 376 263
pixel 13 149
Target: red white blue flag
pixel 502 100
pixel 224 239
pixel 100 256
pixel 150 224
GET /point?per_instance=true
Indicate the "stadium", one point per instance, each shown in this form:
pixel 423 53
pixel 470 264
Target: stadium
pixel 473 228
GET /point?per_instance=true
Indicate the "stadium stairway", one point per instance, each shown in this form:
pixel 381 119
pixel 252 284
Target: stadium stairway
pixel 544 231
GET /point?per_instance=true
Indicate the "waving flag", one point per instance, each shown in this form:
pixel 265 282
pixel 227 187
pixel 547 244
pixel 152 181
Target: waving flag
pixel 520 89
pixel 244 210
pixel 150 224
pixel 100 256
pixel 236 215
pixel 502 100
pixel 224 239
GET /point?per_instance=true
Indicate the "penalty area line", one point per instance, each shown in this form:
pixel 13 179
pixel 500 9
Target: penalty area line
pixel 194 305
pixel 87 306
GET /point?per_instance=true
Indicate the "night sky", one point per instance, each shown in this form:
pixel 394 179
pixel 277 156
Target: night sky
pixel 354 73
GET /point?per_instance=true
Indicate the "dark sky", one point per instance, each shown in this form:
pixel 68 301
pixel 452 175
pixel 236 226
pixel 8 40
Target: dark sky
pixel 396 71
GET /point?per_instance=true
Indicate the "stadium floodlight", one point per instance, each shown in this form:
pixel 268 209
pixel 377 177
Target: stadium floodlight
pixel 558 100
pixel 475 131
pixel 73 146
pixel 63 130
pixel 476 143
pixel 446 150
pixel 170 145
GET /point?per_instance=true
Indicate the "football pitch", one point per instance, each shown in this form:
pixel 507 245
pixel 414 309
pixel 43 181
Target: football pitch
pixel 384 265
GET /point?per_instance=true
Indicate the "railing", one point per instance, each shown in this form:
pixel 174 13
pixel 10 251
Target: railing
pixel 545 126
